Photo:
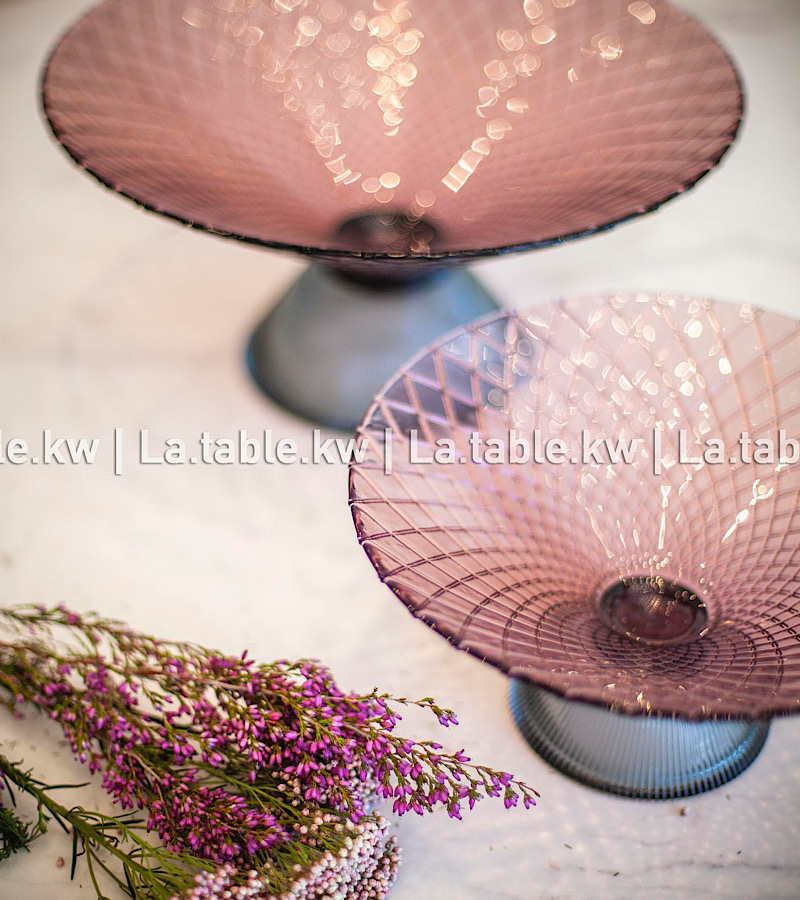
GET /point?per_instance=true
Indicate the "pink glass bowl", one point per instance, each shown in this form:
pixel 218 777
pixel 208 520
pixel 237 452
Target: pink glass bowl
pixel 385 142
pixel 503 124
pixel 673 592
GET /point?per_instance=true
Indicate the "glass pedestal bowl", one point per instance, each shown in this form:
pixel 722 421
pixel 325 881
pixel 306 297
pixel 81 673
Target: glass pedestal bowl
pixel 643 592
pixel 390 143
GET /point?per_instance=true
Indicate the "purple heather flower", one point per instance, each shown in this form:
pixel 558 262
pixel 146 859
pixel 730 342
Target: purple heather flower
pixel 226 754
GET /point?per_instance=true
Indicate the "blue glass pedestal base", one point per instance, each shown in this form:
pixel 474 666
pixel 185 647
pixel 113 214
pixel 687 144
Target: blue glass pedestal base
pixel 650 757
pixel 332 342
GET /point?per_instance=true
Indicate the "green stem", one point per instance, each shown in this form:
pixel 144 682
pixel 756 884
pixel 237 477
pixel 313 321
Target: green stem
pixel 173 874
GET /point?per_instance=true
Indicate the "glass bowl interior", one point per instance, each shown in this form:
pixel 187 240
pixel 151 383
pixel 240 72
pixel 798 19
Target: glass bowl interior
pixel 663 578
pixel 423 130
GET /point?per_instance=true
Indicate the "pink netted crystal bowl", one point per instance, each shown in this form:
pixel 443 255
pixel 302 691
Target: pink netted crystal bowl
pixel 386 141
pixel 665 582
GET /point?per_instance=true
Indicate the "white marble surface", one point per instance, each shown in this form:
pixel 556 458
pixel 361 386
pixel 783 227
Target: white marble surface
pixel 110 317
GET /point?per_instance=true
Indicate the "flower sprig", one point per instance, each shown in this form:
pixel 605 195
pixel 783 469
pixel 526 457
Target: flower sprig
pixel 267 772
pixel 142 869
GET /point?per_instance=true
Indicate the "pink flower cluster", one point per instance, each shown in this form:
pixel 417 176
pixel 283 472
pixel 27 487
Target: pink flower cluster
pixel 234 760
pixel 365 869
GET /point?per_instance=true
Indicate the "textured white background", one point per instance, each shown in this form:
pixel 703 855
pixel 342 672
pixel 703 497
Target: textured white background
pixel 112 317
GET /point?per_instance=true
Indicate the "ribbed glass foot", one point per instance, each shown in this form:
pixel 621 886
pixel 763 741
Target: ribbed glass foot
pixel 651 757
pixel 331 342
